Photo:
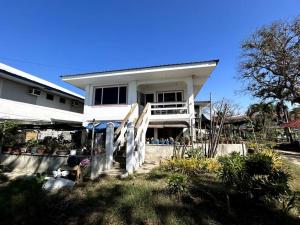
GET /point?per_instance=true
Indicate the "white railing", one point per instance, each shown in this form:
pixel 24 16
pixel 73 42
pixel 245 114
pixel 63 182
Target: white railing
pixel 120 133
pixel 167 108
pixel 116 139
pixel 135 152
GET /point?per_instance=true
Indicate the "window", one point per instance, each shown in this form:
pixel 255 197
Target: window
pixel 98 96
pixel 110 95
pixel 123 95
pixel 50 97
pixel 175 96
pixel 62 100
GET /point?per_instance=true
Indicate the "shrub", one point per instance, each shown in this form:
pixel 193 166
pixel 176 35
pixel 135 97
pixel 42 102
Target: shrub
pixel 191 166
pixel 195 153
pixel 255 175
pixel 231 169
pixel 277 162
pixel 177 184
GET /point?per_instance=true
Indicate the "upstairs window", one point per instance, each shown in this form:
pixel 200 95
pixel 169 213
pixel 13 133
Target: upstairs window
pixel 50 97
pixel 110 95
pixel 62 100
pixel 175 96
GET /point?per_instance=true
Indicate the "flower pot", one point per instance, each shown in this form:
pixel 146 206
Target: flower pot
pixel 23 150
pixel 16 151
pixel 62 152
pixel 7 149
pixel 40 151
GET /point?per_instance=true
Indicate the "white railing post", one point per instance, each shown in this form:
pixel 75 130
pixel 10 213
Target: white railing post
pixel 130 148
pixel 109 145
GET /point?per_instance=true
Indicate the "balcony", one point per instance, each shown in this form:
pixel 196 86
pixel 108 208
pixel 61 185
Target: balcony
pixel 169 112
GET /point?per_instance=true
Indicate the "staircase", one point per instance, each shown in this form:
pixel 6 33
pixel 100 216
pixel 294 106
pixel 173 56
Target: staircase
pixel 125 147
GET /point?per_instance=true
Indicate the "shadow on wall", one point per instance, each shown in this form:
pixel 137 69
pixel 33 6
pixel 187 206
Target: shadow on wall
pixel 32 163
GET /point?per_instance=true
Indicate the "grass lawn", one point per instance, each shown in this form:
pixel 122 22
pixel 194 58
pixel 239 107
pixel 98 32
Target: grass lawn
pixel 141 199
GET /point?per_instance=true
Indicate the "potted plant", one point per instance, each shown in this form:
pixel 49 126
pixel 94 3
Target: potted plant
pixel 41 149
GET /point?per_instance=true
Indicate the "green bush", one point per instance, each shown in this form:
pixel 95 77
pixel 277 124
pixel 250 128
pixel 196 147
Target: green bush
pixel 231 168
pixel 191 166
pixel 195 153
pixel 177 184
pixel 254 175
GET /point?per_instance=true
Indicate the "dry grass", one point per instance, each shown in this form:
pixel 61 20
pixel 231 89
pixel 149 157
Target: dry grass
pixel 142 199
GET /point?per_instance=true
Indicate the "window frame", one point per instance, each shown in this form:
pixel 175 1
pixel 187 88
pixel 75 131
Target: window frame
pixel 48 94
pixel 64 100
pixel 110 86
pixel 175 92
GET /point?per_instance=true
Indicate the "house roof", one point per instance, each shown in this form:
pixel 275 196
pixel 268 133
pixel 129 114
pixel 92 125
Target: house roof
pixel 201 68
pixel 19 75
pixel 138 68
pixel 292 124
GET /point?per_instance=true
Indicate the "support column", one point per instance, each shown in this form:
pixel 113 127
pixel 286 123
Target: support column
pixel 109 145
pixel 155 133
pixel 130 148
pixel 191 108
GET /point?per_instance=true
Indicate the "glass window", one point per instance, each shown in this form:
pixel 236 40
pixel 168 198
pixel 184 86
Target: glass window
pixel 110 95
pixel 98 96
pixel 169 97
pixel 122 95
pixel 179 97
pixel 62 100
pixel 160 97
pixel 50 97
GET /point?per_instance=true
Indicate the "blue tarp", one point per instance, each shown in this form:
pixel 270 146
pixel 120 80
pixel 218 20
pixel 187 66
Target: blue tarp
pixel 99 127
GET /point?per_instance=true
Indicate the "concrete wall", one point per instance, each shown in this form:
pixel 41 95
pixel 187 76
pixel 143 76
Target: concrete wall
pixel 158 153
pixel 33 163
pixel 15 91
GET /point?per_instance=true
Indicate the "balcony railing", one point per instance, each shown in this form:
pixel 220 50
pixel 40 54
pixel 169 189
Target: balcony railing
pixel 169 108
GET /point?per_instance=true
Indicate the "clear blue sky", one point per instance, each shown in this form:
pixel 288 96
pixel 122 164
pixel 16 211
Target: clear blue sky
pixel 63 37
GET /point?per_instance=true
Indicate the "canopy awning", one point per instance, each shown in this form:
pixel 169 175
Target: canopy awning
pixel 99 127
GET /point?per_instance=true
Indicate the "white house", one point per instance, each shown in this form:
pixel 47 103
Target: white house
pixel 149 102
pixel 32 100
pixel 170 90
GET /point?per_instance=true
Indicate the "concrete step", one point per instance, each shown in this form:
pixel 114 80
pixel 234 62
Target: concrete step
pixel 114 172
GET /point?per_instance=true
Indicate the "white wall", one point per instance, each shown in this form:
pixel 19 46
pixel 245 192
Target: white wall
pixel 118 112
pixel 23 111
pixel 19 92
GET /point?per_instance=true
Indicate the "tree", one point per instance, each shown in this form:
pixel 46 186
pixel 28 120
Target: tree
pixel 270 65
pixel 264 117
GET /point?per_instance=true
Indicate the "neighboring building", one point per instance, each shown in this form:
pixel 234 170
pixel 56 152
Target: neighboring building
pixel 32 100
pixel 170 90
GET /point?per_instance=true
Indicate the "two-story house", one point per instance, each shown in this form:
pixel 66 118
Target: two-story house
pixel 32 100
pixel 154 102
pixel 170 90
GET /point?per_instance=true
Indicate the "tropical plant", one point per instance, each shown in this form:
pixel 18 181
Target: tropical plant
pixel 257 175
pixel 177 184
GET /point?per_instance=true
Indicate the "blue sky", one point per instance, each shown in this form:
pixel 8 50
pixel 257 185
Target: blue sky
pixel 52 38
